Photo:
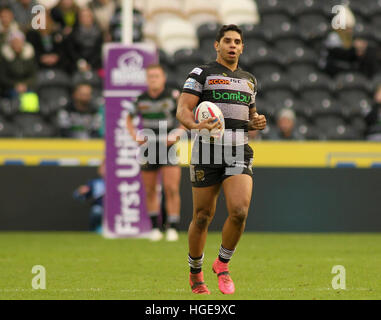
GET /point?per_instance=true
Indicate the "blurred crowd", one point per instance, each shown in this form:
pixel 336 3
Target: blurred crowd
pixel 68 52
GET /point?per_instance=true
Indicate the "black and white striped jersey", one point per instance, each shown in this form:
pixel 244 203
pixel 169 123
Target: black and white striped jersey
pixel 232 91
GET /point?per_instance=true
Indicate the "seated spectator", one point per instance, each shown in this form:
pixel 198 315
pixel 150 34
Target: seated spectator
pixel 342 53
pixel 17 65
pixel 22 9
pixel 373 118
pixel 103 12
pixel 285 129
pixel 94 192
pixel 84 44
pixel 65 14
pixel 48 45
pixel 81 118
pixel 7 23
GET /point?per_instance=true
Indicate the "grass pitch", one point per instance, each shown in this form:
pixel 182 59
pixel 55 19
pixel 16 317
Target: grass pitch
pixel 264 266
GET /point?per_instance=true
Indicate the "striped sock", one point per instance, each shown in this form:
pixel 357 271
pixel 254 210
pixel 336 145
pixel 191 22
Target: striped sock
pixel 195 264
pixel 173 221
pixel 225 255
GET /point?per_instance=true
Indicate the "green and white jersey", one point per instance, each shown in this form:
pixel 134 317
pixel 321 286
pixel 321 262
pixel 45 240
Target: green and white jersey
pixel 155 110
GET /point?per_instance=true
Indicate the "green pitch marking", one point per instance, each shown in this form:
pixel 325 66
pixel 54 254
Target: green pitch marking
pixel 264 266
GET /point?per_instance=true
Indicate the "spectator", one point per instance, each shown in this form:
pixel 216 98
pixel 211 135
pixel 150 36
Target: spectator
pixel 103 12
pixel 285 129
pixel 342 53
pixel 22 9
pixel 65 13
pixel 373 118
pixel 8 23
pixel 84 45
pixel 94 192
pixel 81 118
pixel 48 45
pixel 17 65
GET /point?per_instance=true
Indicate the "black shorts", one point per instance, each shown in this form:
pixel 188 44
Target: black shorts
pixel 161 155
pixel 219 163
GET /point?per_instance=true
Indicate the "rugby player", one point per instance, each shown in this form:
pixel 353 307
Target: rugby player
pixel 156 105
pixel 233 90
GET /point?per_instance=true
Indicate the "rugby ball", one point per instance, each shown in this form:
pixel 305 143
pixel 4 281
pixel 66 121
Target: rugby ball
pixel 206 110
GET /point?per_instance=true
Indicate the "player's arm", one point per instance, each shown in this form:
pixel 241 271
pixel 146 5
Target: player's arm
pixel 131 129
pixel 256 121
pixel 185 107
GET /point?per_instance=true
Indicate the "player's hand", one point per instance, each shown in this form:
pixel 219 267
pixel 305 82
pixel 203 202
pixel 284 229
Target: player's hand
pixel 209 124
pixel 258 122
pixel 83 189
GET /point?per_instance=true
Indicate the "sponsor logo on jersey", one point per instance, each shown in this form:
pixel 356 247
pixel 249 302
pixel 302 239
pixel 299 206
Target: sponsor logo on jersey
pixel 231 96
pixel 197 71
pixel 200 175
pixel 218 81
pixel 190 84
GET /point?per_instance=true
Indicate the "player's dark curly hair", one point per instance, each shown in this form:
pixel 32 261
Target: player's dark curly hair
pixel 228 27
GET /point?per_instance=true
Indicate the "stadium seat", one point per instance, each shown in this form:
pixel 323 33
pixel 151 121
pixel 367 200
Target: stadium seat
pixel 298 54
pixel 340 132
pixel 321 101
pixel 352 80
pixel 186 59
pixel 9 107
pixel 32 125
pixel 326 121
pixel 7 129
pixel 306 129
pixel 199 12
pixel 260 70
pixel 280 97
pixel 275 81
pixel 374 7
pixel 363 8
pixel 163 10
pixel 358 124
pixel 313 26
pixel 88 77
pixel 206 33
pixel 177 34
pixel 376 26
pixel 238 12
pixel 363 30
pixel 354 102
pixel 278 26
pixel 313 80
pixel 252 31
pixel 165 60
pixel 301 7
pixel 376 81
pixel 52 78
pixel 261 56
pixel 265 107
pixel 297 70
pixel 52 100
pixel 272 6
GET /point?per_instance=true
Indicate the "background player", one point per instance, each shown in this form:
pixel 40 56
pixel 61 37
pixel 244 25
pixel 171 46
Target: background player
pixel 233 90
pixel 156 105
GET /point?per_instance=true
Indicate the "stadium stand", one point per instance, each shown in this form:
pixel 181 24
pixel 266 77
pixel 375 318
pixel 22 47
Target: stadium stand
pixel 284 49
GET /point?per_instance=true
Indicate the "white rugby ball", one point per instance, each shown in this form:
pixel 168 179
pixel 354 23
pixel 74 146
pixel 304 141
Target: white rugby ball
pixel 206 110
